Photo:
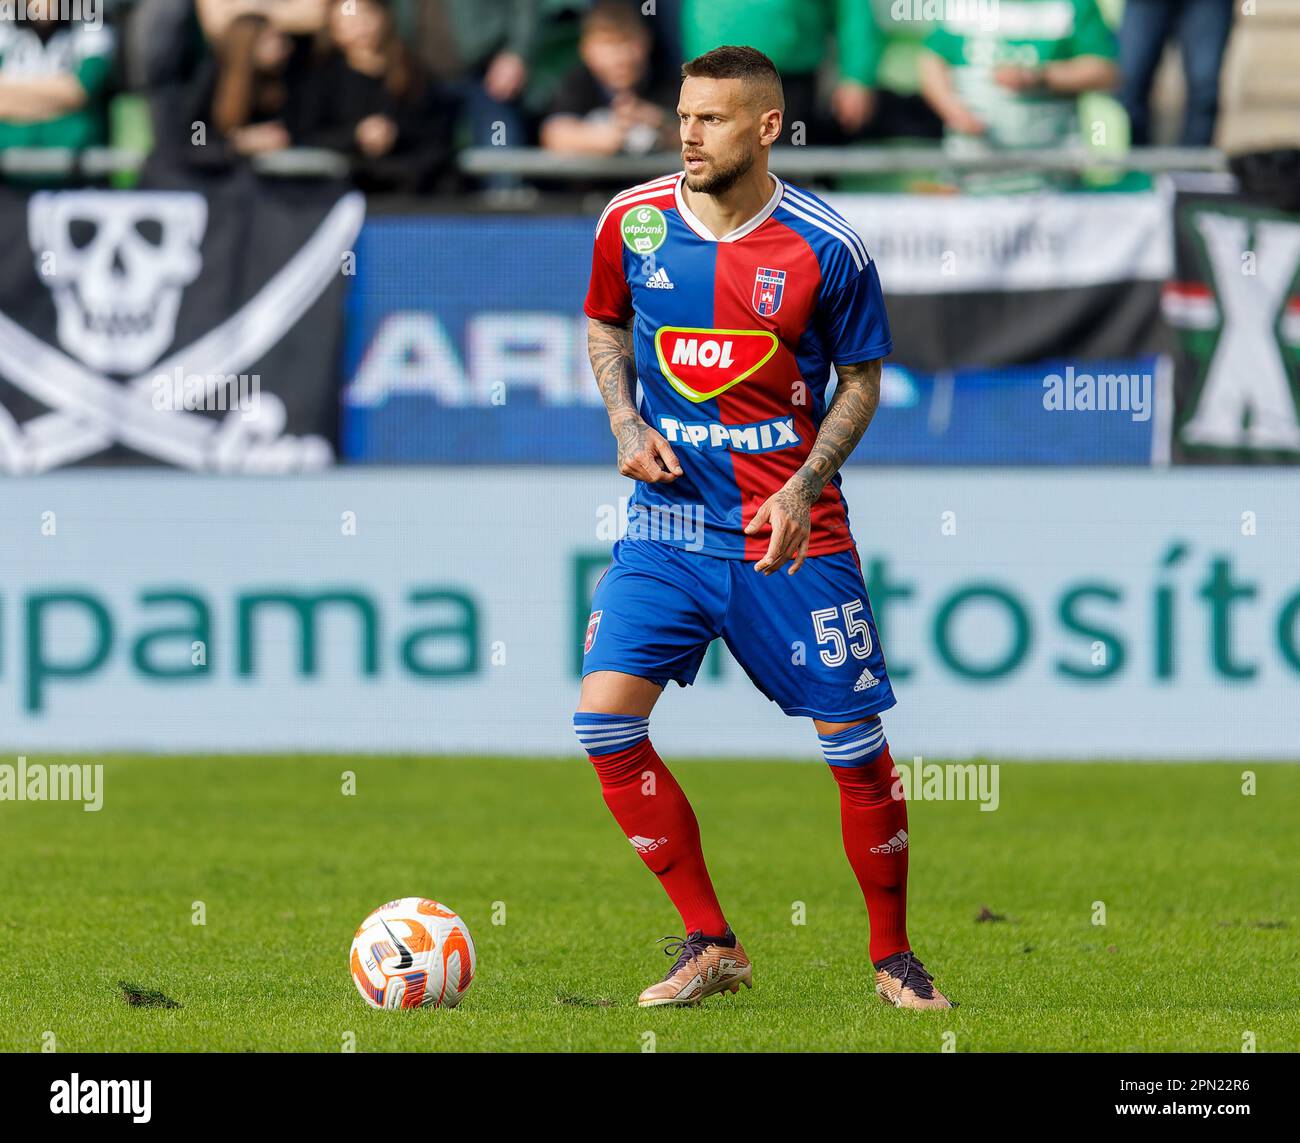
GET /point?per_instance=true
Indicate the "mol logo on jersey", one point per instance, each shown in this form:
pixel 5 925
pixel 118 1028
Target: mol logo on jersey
pixel 701 363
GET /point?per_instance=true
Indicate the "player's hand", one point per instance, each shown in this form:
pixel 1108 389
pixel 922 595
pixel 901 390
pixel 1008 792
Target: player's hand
pixel 790 516
pixel 643 454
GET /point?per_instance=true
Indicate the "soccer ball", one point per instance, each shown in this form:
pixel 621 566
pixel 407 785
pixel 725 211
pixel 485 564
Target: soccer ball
pixel 412 953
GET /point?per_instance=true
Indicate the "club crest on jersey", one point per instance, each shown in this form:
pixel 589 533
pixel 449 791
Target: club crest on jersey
pixel 769 286
pixel 593 625
pixel 701 363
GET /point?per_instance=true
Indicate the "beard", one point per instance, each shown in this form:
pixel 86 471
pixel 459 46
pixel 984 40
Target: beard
pixel 720 179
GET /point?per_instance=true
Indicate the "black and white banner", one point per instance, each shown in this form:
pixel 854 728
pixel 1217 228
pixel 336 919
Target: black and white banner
pixel 199 329
pixel 1000 280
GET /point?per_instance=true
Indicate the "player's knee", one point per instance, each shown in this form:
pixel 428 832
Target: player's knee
pixel 854 746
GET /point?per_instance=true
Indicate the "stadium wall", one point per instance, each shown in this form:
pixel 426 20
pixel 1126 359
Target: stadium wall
pixel 459 339
pixel 1074 614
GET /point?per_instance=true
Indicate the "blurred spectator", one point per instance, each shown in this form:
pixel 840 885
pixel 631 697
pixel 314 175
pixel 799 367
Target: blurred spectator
pixel 1202 27
pixel 370 99
pixel 176 49
pixel 256 92
pixel 164 44
pixel 169 37
pixel 1013 82
pixel 609 103
pixel 796 35
pixel 248 96
pixel 897 109
pixel 293 17
pixel 485 48
pixel 53 75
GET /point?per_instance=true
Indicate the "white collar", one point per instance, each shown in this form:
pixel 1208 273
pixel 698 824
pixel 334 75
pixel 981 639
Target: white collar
pixel 697 227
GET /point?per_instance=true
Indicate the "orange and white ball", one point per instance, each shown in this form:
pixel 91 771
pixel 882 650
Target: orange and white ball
pixel 412 953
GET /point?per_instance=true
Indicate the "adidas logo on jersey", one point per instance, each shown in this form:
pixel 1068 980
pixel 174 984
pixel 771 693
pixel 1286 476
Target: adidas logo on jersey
pixel 866 680
pixel 895 844
pixel 647 844
pixel 660 280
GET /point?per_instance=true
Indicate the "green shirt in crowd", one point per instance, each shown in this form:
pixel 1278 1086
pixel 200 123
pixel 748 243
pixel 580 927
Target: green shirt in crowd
pixel 794 34
pixel 75 49
pixel 1025 33
pixel 478 29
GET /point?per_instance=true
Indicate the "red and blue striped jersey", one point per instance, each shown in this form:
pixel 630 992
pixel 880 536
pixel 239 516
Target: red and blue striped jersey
pixel 734 341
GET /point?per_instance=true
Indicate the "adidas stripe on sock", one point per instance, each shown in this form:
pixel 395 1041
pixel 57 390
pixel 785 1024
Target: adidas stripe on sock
pixel 608 733
pixel 856 746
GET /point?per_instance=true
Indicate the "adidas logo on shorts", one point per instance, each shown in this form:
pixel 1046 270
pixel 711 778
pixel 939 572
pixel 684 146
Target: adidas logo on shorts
pixel 866 681
pixel 895 844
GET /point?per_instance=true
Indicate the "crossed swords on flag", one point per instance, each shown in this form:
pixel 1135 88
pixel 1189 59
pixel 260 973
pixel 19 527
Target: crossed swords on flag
pixel 89 411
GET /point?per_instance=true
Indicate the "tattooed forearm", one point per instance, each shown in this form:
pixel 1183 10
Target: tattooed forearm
pixel 856 396
pixel 613 363
pixel 642 453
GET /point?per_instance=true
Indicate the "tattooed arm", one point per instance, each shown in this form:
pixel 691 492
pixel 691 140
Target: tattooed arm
pixel 789 511
pixel 642 453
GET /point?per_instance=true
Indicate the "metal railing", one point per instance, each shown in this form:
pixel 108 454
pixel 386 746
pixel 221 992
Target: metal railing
pixel 832 162
pixel 537 164
pixel 102 162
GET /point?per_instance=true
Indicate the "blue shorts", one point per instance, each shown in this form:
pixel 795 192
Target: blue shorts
pixel 807 641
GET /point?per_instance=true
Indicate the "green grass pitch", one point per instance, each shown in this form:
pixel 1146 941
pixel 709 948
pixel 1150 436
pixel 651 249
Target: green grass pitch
pixel 1198 881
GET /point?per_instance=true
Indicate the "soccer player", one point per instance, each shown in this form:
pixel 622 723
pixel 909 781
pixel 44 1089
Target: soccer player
pixel 728 294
